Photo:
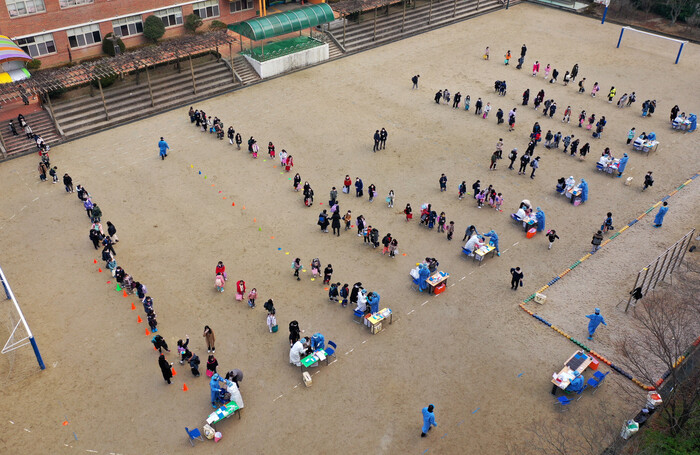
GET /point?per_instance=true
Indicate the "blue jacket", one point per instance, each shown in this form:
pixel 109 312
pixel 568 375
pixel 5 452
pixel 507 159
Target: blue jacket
pixel 428 419
pixel 163 146
pixel 595 320
pixel 374 302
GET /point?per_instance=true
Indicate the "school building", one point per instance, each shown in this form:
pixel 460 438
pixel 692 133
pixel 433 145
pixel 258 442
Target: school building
pixel 57 31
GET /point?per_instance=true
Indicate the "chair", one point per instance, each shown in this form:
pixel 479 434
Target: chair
pixel 357 316
pixel 563 402
pixel 194 434
pixel 330 350
pixel 416 281
pixel 600 376
pixel 585 386
pixel 593 384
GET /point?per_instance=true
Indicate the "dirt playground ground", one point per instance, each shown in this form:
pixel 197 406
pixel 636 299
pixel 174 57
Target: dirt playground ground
pixel 471 351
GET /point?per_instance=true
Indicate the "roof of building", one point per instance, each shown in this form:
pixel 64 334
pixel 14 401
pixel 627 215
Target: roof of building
pixel 286 22
pixel 10 51
pixel 344 7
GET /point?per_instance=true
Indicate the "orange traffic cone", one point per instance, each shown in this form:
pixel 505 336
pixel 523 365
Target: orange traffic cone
pixel 94 261
pixel 174 372
pixel 155 348
pixel 148 333
pixel 125 294
pixel 184 388
pixel 133 307
pixel 139 320
pixel 99 270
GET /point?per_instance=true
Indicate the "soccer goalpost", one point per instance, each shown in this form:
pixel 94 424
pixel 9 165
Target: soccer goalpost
pixel 16 340
pixel 678 57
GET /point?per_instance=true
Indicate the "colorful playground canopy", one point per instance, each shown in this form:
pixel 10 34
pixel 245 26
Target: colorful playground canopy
pixel 10 51
pixel 282 23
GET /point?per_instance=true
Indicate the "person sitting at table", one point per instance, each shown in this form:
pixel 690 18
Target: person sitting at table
pixel 561 185
pixel 605 160
pixel 570 182
pixel 576 384
pixel 297 350
pixel 520 215
pixel 432 264
pixel 526 205
pixel 473 244
pixel 423 275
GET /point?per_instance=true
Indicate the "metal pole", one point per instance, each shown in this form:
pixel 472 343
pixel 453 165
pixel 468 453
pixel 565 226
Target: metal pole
pixel 262 47
pixel 194 84
pixel 633 288
pixel 507 4
pixel 685 249
pixel 430 13
pixel 230 57
pixel 403 19
pixel 673 255
pixel 53 117
pixel 454 8
pixel 104 103
pixel 345 19
pixel 150 89
pixel 619 41
pixel 678 57
pixel 11 296
pixel 374 35
pixel 605 13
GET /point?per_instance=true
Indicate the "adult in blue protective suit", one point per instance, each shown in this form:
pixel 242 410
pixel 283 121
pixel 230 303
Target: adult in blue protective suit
pixel 539 216
pixel 214 386
pixel 428 420
pixel 595 320
pixel 318 341
pixel 423 275
pixel 584 190
pixel 494 240
pixel 622 164
pixel 373 300
pixel 576 383
pixel 659 218
pixel 163 146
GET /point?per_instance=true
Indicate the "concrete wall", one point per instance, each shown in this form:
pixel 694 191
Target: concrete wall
pixel 289 62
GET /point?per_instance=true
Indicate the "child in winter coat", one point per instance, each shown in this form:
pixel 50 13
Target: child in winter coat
pixel 220 282
pixel 344 293
pixel 450 230
pixel 271 321
pixel 252 295
pixel 315 267
pixel 240 289
pixel 212 363
pixel 194 365
pixel 333 292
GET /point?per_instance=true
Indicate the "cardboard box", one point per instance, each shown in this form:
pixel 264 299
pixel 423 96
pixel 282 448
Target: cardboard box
pixel 307 379
pixel 540 298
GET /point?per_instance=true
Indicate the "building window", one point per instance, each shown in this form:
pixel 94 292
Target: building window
pixel 25 7
pixel 39 45
pixel 128 26
pixel 69 3
pixel 84 36
pixel 207 9
pixel 240 5
pixel 170 17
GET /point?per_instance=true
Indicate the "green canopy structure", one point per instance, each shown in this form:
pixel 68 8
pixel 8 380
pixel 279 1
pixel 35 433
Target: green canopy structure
pixel 278 24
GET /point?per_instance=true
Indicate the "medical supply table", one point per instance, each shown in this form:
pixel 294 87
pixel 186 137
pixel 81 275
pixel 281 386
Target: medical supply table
pixel 313 358
pixel 481 253
pixel 578 361
pixel 436 279
pixel 375 321
pixel 224 412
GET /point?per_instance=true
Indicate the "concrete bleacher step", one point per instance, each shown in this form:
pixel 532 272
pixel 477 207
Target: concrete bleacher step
pixel 41 124
pixel 244 70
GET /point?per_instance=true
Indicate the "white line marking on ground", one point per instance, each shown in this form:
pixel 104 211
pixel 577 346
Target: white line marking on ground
pixel 424 302
pixel 91 451
pixel 452 284
pixel 277 398
pixel 351 350
pixel 35 199
pixel 364 342
pixel 462 278
pixel 515 243
pixel 411 311
pixel 27 430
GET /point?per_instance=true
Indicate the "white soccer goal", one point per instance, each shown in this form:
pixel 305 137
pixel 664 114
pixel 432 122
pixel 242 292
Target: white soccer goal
pixel 20 333
pixel 682 43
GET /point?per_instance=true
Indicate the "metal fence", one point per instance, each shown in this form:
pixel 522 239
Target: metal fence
pixel 663 266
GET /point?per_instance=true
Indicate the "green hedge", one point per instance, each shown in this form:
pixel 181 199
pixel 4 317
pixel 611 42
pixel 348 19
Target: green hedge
pixel 108 47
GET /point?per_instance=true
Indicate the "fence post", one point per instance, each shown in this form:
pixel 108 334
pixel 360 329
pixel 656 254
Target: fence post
pixel 150 89
pixel 104 103
pixel 403 19
pixel 430 13
pixel 194 84
pixel 374 34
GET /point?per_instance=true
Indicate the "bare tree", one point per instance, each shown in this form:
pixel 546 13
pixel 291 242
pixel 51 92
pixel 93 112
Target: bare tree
pixel 675 8
pixel 667 323
pixel 645 5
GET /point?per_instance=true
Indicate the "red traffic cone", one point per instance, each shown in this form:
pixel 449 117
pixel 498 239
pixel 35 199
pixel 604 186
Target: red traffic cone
pixel 139 320
pixel 94 261
pixel 174 372
pixel 148 333
pixel 99 270
pixel 125 294
pixel 155 348
pixel 184 387
pixel 133 307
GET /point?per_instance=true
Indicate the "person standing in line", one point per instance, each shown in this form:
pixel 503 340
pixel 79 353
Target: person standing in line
pixel 386 241
pixel 68 182
pixel 428 419
pixel 163 147
pixel 210 338
pixel 467 102
pixel 239 140
pixel 390 199
pixel 534 164
pixel 631 135
pixel 438 96
pixel 377 138
pixel 52 173
pixel 523 50
pixel 112 231
pixel 487 109
pixel 408 211
pixel 595 320
pixel 296 265
pixel 551 236
pixel 382 138
pixel 348 220
pixel 443 183
pixel 596 241
pixel 486 53
pixel 335 223
pixel 631 99
pixel 358 187
pixel 611 94
pixel 457 99
pixel 512 157
pixel 517 278
pixel 648 181
pixel 165 368
pixel 231 133
pixel 574 72
pixel 371 192
pixel 536 68
pixel 524 160
pixel 607 223
pixel 659 218
pixel 414 79
pixel 327 273
pixel 494 159
pixel 507 57
pixel 42 171
pixel 476 187
pixel 581 87
pixel 212 363
pixel 477 106
pixel 393 246
pixel 446 96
